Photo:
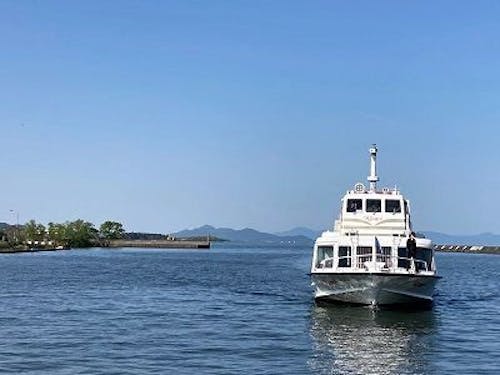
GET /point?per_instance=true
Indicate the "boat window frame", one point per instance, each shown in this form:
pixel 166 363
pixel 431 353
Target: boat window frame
pixel 363 254
pixel 424 254
pixel 345 262
pixel 347 209
pixel 392 211
pixel 321 248
pixel 403 253
pixel 375 200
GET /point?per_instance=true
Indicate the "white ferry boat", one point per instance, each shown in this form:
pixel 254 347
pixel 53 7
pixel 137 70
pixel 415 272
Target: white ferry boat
pixel 364 259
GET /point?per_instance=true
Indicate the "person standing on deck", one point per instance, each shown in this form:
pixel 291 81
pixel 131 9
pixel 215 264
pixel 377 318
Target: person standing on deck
pixel 411 246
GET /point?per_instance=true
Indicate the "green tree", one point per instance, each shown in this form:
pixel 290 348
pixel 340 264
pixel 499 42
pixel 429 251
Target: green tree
pixel 34 231
pixel 15 235
pixel 80 233
pixel 111 230
pixel 3 238
pixel 57 234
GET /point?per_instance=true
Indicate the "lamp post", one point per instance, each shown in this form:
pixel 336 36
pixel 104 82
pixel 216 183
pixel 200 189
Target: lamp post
pixel 17 223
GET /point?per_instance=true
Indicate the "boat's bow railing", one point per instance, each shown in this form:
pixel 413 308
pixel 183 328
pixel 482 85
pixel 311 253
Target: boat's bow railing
pixel 422 264
pixel 383 262
pixel 343 261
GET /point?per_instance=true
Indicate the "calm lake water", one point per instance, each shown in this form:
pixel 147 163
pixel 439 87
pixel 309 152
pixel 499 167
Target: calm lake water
pixel 229 311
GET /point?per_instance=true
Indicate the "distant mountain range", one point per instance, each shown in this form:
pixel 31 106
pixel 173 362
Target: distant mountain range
pixel 305 236
pixel 482 239
pixel 247 235
pixel 301 231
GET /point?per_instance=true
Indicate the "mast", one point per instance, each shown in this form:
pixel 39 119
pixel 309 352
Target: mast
pixel 373 178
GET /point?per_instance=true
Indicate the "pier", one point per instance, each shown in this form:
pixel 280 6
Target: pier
pixel 159 244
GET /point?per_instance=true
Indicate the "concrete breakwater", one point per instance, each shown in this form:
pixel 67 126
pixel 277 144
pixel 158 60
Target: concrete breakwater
pixel 155 244
pixel 468 249
pixel 159 244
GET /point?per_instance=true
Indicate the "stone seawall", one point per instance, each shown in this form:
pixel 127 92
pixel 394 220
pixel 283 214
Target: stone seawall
pixel 159 244
pixel 156 244
pixel 468 249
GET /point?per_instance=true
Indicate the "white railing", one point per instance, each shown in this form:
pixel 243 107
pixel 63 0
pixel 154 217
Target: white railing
pixel 415 262
pixel 384 261
pixel 326 263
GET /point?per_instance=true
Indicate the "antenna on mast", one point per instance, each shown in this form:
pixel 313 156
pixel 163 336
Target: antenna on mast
pixel 373 178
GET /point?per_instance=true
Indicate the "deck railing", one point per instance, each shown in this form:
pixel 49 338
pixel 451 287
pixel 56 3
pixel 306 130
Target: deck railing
pixel 360 260
pixel 423 266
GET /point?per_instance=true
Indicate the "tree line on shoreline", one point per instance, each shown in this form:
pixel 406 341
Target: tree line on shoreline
pixel 78 233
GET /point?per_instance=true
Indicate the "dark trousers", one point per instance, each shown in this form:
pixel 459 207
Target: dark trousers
pixel 411 254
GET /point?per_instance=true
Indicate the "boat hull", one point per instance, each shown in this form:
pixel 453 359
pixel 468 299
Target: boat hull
pixel 374 288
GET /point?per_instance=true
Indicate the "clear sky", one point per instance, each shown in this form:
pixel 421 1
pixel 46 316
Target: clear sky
pixel 172 114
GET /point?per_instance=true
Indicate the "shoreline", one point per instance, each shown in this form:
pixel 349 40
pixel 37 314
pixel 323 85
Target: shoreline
pixel 116 244
pixel 158 244
pixel 204 245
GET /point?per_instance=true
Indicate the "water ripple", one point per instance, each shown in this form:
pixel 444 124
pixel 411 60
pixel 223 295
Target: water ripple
pixel 229 311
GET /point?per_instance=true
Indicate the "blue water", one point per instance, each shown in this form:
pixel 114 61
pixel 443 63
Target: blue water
pixel 228 311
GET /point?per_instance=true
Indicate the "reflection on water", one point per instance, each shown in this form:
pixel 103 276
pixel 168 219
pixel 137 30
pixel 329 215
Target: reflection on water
pixel 363 340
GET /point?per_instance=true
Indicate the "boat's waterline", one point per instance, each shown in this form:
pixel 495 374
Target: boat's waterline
pixel 374 289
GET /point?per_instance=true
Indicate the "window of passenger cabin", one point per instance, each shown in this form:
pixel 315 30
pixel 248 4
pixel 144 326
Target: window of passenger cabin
pixel 354 204
pixel 364 254
pixel 392 205
pixel 424 255
pixel 403 261
pixel 344 256
pixel 324 252
pixel 373 205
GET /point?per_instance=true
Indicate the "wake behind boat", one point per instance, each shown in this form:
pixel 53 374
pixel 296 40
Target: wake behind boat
pixel 365 258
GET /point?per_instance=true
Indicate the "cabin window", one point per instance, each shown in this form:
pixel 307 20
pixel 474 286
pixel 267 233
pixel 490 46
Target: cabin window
pixel 384 255
pixel 344 256
pixel 425 255
pixel 402 253
pixel 324 252
pixel 354 204
pixel 392 205
pixel 384 250
pixel 364 254
pixel 373 205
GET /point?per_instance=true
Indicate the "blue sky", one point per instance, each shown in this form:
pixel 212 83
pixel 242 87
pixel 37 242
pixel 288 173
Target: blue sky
pixel 173 114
